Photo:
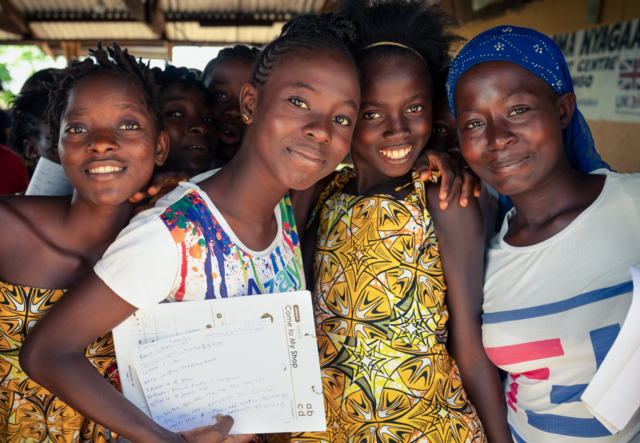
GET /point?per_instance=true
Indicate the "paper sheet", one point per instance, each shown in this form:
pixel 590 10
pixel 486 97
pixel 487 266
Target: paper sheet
pixel 188 380
pixel 49 179
pixel 293 321
pixel 613 396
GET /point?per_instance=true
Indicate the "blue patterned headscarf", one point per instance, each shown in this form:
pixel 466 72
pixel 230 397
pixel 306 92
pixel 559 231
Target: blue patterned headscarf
pixel 539 54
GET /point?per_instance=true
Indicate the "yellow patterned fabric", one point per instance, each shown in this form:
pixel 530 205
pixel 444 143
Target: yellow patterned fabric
pixel 381 324
pixel 28 412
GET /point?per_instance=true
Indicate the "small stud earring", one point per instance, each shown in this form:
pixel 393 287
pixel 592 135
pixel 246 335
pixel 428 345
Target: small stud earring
pixel 245 116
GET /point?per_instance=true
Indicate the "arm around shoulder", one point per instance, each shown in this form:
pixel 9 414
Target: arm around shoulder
pixel 460 236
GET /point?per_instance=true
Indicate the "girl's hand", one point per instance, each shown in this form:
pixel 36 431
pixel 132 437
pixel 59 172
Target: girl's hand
pixel 158 183
pixel 454 177
pixel 217 433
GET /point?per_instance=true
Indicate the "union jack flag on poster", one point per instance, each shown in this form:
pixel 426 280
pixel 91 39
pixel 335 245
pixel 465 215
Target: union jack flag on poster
pixel 629 76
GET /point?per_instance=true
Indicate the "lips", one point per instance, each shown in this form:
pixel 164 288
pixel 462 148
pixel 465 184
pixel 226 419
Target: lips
pixel 105 169
pixel 307 156
pixel 229 134
pixel 396 153
pixel 197 150
pixel 509 166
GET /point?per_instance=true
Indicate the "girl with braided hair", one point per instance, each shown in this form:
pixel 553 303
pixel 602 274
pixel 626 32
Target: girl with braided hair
pixel 397 278
pixel 225 76
pixel 228 232
pixel 105 124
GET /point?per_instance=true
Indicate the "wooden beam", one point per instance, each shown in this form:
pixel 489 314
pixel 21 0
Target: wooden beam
pixel 132 42
pixel 169 48
pixel 16 17
pixel 8 25
pixel 71 50
pixel 150 13
pixel 47 50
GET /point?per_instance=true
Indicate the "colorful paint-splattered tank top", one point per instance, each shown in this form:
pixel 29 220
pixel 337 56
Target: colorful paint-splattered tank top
pixel 381 323
pixel 184 250
pixel 29 412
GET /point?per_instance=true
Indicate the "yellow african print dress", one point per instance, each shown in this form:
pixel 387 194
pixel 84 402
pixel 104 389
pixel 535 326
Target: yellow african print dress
pixel 28 412
pixel 381 323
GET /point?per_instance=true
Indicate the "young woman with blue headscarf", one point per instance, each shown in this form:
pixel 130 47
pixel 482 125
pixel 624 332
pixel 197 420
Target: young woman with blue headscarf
pixel 556 289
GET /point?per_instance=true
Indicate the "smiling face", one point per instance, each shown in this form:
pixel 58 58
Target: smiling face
pixel 510 124
pixel 394 122
pixel 444 133
pixel 225 83
pixel 302 118
pixel 187 118
pixel 109 142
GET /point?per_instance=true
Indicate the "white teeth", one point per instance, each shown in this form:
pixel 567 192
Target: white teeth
pixel 396 154
pixel 197 147
pixel 105 169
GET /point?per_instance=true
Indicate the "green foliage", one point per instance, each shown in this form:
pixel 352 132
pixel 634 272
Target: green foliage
pixel 12 57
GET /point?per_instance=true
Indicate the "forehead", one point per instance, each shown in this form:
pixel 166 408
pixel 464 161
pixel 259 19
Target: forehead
pixel 232 70
pixel 322 70
pixel 499 77
pixel 183 90
pixel 396 72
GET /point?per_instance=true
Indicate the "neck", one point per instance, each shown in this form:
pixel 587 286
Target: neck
pixel 245 179
pixel 372 181
pixel 564 189
pixel 95 226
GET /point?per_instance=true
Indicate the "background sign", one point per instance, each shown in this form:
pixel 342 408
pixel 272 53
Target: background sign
pixel 605 68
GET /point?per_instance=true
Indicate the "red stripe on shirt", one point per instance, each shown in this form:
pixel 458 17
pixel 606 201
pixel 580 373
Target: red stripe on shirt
pixel 536 350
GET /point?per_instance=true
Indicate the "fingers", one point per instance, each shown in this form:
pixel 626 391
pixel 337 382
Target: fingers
pixel 452 192
pixel 158 181
pixel 423 166
pixel 210 434
pixel 468 187
pixel 239 438
pixel 224 423
pixel 138 196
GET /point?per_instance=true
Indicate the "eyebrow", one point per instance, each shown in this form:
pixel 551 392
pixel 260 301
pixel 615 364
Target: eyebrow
pixel 219 82
pixel 371 103
pixel 303 86
pixel 351 104
pixel 517 91
pixel 176 98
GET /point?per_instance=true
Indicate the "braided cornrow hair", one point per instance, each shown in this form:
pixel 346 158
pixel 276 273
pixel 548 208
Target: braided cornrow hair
pixel 328 32
pixel 173 74
pixel 121 63
pixel 240 52
pixel 423 27
pixel 27 111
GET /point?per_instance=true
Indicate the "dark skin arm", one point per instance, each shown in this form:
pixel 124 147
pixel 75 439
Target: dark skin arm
pixel 460 236
pixel 53 356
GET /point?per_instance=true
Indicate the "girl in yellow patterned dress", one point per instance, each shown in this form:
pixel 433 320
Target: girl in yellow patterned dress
pixel 109 143
pixel 392 269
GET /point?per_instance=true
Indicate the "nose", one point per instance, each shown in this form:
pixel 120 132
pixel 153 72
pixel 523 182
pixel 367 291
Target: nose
pixel 397 129
pixel 318 130
pixel 233 112
pixel 103 142
pixel 198 127
pixel 499 137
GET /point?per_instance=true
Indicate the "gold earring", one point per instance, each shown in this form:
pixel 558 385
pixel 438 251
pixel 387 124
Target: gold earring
pixel 245 116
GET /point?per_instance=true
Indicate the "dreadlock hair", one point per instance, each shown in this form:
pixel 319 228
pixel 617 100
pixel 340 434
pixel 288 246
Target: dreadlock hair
pixel 37 80
pixel 121 63
pixel 185 76
pixel 239 52
pixel 425 29
pixel 326 32
pixel 27 111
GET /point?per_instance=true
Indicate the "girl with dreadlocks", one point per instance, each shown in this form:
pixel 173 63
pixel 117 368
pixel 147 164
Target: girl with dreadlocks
pixel 229 232
pixel 225 76
pixel 394 271
pixel 105 124
pixel 187 118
